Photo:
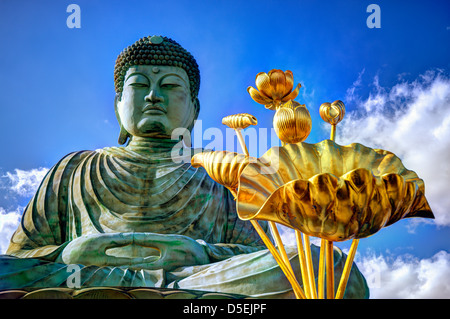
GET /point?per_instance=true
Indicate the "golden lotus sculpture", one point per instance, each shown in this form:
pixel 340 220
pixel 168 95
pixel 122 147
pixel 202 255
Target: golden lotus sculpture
pixel 325 190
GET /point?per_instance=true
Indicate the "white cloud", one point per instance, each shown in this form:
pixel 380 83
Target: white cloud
pixel 9 221
pixel 24 183
pixel 412 120
pixel 14 187
pixel 405 276
pixel 351 92
pixel 397 277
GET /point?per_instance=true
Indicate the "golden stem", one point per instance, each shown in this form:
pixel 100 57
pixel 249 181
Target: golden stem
pixel 287 270
pixel 241 141
pixel 333 132
pixel 321 277
pixel 277 105
pixel 330 269
pixel 303 267
pixel 309 265
pixel 280 245
pixel 298 291
pixel 347 268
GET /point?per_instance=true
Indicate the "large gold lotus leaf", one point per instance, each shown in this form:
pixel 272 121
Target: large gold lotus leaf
pixel 330 191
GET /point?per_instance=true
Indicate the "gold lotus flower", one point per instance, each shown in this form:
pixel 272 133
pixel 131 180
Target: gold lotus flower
pixel 292 122
pixel 274 88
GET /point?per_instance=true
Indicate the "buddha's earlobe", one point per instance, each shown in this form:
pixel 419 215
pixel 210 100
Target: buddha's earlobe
pixel 194 114
pixel 197 107
pixel 123 135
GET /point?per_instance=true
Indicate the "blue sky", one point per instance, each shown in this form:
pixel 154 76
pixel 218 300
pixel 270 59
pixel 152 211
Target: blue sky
pixel 57 88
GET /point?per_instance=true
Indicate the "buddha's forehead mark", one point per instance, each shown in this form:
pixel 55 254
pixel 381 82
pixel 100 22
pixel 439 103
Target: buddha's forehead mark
pixel 155 69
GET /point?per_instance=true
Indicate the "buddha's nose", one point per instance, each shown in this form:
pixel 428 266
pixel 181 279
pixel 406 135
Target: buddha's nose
pixel 154 96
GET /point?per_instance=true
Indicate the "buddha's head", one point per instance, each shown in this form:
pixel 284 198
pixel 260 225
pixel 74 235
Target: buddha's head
pixel 157 83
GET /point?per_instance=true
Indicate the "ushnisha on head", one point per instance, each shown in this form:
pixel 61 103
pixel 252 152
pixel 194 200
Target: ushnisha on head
pixel 157 83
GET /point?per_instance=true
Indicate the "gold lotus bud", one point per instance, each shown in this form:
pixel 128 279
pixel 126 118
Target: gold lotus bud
pixel 239 121
pixel 274 88
pixel 332 113
pixel 292 122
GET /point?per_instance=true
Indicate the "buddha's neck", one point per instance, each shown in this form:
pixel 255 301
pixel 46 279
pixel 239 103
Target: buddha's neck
pixel 151 144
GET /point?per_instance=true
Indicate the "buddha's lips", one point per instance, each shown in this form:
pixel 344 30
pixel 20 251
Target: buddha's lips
pixel 153 107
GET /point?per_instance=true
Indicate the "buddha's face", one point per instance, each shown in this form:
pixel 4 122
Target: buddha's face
pixel 155 100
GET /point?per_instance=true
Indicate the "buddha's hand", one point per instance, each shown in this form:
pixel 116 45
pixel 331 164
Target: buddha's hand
pixel 91 250
pixel 176 251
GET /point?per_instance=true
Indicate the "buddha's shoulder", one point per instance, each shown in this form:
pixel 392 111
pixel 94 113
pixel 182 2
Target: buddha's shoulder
pixel 76 156
pixel 131 156
pixel 80 155
pixel 71 160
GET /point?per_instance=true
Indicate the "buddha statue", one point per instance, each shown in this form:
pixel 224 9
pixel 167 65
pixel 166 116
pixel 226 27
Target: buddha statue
pixel 131 216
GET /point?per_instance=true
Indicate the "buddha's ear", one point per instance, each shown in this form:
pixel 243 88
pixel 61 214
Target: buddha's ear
pixel 197 108
pixel 123 135
pixel 196 104
pixel 117 99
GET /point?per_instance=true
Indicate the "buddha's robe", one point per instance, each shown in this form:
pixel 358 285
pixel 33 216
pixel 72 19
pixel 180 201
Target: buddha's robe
pixel 140 188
